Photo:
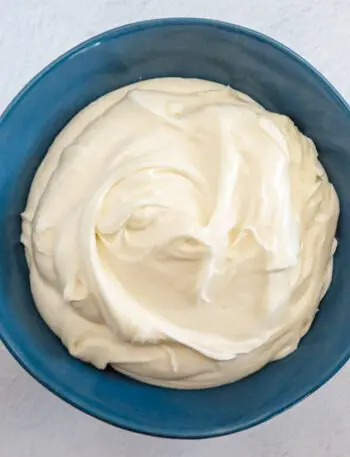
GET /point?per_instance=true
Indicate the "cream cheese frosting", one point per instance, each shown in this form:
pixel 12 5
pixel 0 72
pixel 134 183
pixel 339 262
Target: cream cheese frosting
pixel 181 233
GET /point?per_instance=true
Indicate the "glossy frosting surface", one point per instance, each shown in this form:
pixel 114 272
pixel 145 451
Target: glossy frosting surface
pixel 181 233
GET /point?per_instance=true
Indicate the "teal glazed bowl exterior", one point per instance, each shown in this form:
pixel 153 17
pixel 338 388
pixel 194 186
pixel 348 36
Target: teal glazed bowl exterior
pixel 250 62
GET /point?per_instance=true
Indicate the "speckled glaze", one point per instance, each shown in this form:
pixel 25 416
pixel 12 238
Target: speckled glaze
pixel 276 78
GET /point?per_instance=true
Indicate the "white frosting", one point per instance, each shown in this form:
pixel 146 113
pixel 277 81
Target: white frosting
pixel 181 233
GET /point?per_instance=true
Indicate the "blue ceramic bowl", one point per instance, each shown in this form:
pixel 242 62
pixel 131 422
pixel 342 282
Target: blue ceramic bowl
pixel 250 62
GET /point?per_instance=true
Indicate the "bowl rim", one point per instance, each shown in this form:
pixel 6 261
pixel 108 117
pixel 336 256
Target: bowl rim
pixel 52 384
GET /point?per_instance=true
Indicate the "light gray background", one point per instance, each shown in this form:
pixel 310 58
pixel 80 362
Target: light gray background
pixel 34 423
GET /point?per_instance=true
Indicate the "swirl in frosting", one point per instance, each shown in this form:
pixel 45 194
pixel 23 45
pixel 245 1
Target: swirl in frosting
pixel 181 233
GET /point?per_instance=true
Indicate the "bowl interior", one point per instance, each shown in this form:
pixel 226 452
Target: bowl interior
pixel 277 79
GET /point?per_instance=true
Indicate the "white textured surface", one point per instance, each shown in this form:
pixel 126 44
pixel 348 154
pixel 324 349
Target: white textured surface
pixel 34 423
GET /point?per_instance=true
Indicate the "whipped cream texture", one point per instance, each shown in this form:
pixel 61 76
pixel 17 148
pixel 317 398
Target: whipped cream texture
pixel 181 233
